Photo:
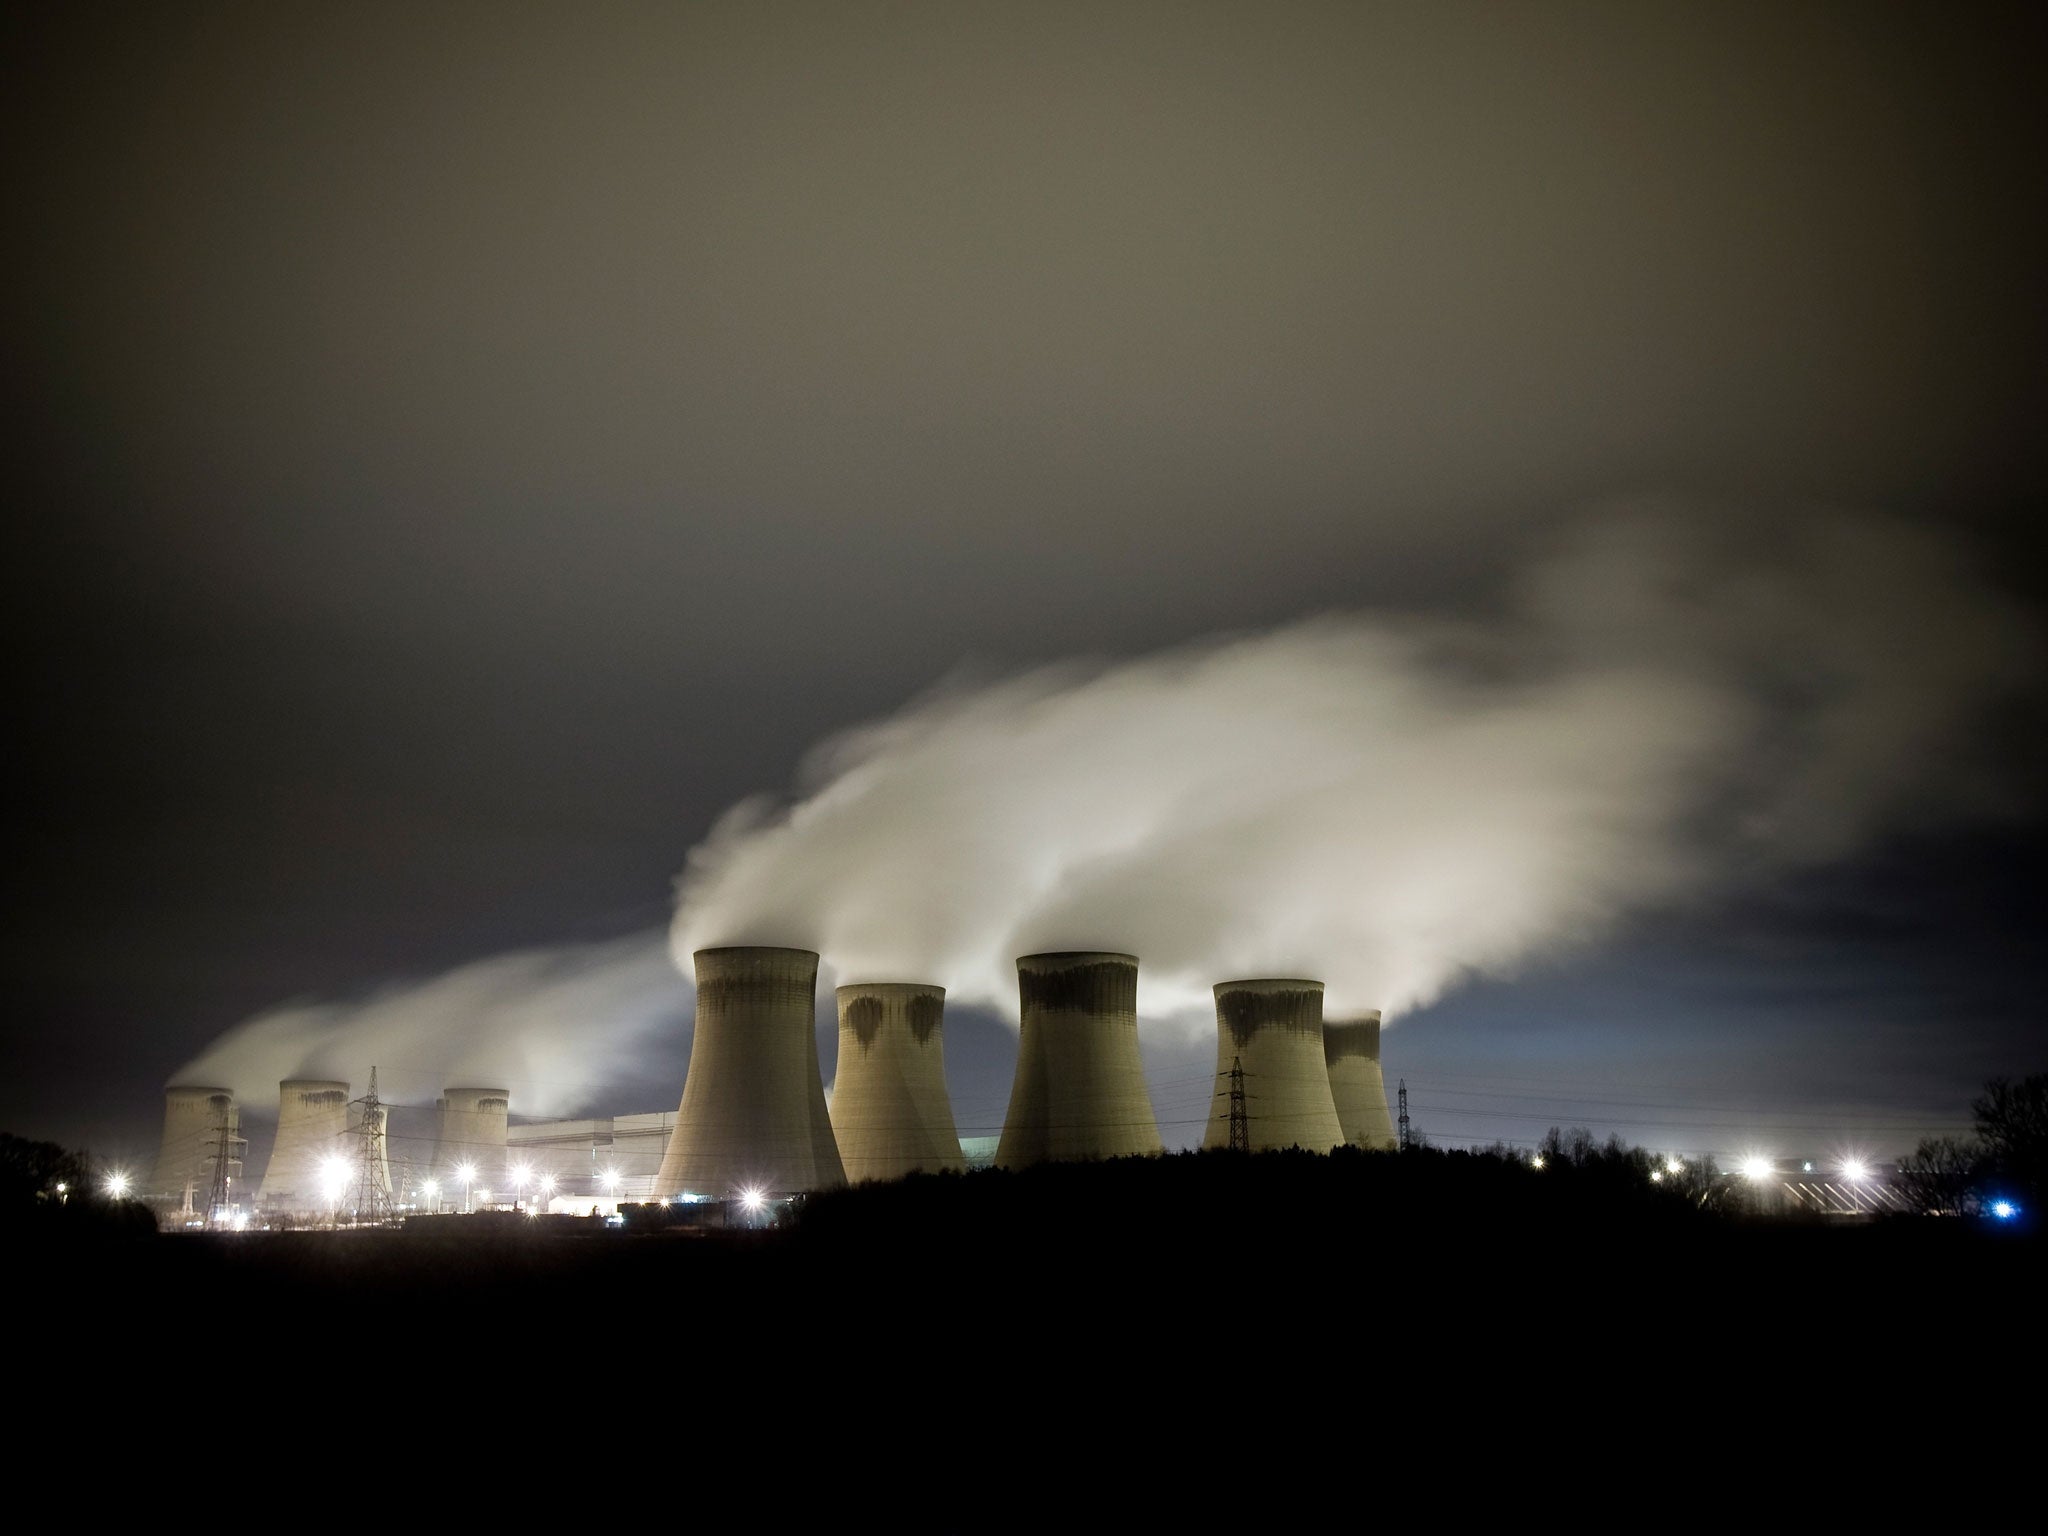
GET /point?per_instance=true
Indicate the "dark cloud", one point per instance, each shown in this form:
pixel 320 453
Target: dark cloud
pixel 461 451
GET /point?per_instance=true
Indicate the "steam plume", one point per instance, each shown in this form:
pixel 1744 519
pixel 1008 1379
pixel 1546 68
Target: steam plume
pixel 554 1025
pixel 1660 706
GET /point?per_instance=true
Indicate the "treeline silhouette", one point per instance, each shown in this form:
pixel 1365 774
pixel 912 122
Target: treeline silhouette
pixel 2005 1161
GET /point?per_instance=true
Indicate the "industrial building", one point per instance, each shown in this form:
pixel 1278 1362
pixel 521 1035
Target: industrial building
pixel 753 1116
pixel 573 1166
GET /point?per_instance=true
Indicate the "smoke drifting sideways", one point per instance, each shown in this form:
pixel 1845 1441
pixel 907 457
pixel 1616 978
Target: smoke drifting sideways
pixel 555 1025
pixel 1661 707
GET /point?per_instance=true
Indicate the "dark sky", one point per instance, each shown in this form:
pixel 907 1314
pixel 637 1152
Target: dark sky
pixel 456 452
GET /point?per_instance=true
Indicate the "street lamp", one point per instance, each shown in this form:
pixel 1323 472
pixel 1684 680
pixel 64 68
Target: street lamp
pixel 431 1190
pixel 466 1173
pixel 520 1174
pixel 610 1180
pixel 117 1186
pixel 547 1189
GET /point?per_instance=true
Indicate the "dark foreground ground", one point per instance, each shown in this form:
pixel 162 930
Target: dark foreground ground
pixel 1455 1337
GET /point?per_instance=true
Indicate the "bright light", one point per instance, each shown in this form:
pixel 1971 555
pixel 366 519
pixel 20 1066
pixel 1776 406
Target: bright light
pixel 431 1188
pixel 466 1172
pixel 520 1175
pixel 547 1182
pixel 609 1179
pixel 117 1186
pixel 1656 1175
pixel 334 1176
pixel 1674 1167
pixel 1758 1168
pixel 1855 1168
pixel 1536 1161
pixel 61 1188
pixel 2004 1210
pixel 484 1195
pixel 751 1199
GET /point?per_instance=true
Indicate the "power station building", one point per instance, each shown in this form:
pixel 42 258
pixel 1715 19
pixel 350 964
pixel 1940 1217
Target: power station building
pixel 590 1162
pixel 1080 1086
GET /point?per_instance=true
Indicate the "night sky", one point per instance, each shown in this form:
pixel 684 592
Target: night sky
pixel 458 452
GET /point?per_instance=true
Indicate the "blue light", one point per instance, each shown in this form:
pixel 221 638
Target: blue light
pixel 2004 1210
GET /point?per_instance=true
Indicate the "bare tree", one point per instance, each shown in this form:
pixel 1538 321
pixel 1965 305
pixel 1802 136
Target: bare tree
pixel 2012 1122
pixel 1942 1175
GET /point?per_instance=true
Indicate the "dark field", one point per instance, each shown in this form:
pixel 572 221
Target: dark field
pixel 1343 1307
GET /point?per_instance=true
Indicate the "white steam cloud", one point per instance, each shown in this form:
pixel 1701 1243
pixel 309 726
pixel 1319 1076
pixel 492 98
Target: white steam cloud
pixel 553 1025
pixel 1661 706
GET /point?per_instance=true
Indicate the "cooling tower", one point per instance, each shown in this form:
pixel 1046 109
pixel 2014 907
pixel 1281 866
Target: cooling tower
pixel 193 1120
pixel 1080 1087
pixel 312 1131
pixel 890 1112
pixel 1352 1049
pixel 472 1135
pixel 1273 1029
pixel 753 1110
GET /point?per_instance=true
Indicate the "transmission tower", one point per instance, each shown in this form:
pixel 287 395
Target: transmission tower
pixel 217 1193
pixel 1404 1113
pixel 1240 1119
pixel 372 1192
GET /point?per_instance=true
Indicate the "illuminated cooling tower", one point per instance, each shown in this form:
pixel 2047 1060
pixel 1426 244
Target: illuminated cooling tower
pixel 1352 1050
pixel 312 1134
pixel 1080 1087
pixel 193 1121
pixel 890 1112
pixel 473 1125
pixel 753 1110
pixel 1273 1029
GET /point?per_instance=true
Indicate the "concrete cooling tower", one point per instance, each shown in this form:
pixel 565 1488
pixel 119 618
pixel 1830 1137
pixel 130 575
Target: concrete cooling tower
pixel 1352 1050
pixel 193 1121
pixel 1273 1029
pixel 890 1111
pixel 473 1126
pixel 1080 1086
pixel 312 1130
pixel 753 1110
